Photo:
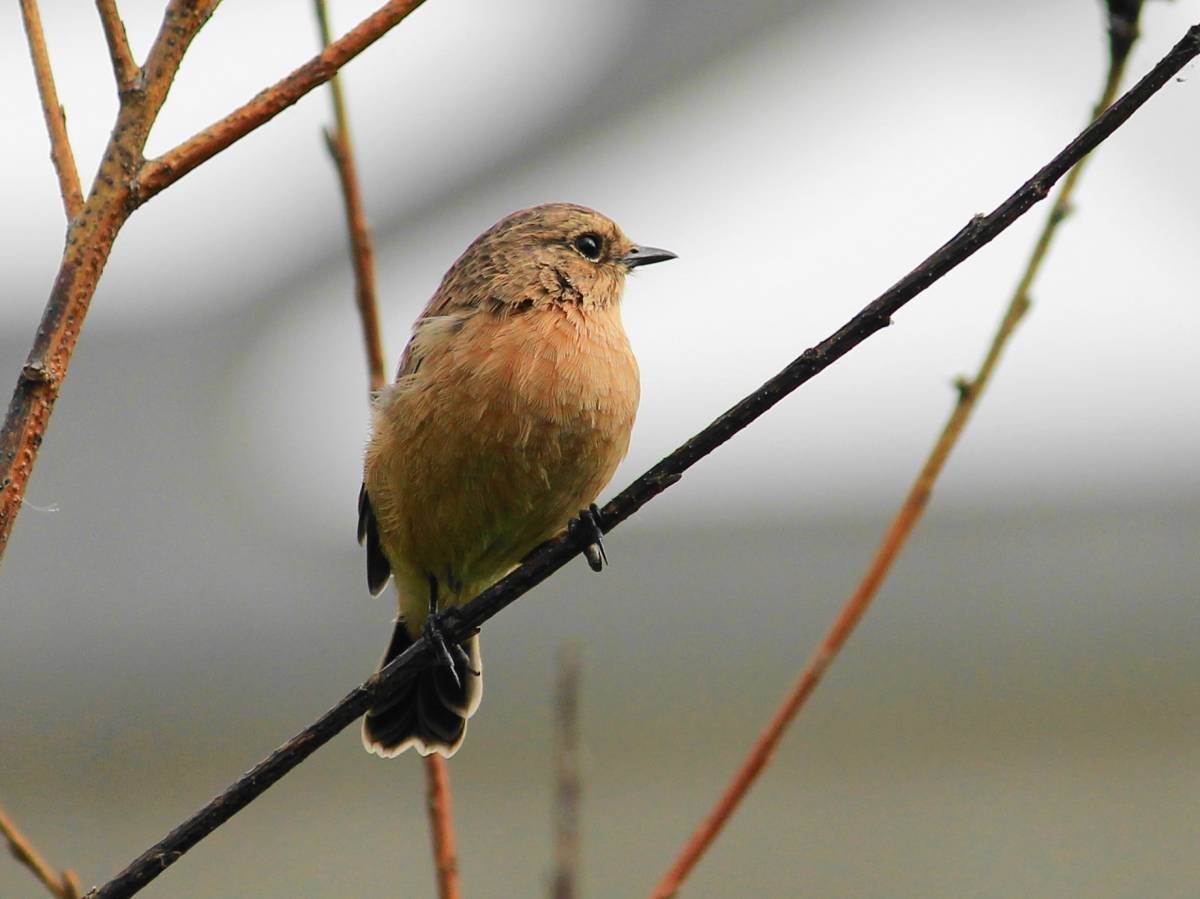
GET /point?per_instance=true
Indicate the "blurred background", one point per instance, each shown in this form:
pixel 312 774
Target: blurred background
pixel 1020 712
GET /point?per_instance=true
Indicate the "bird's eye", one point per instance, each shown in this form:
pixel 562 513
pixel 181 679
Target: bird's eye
pixel 589 245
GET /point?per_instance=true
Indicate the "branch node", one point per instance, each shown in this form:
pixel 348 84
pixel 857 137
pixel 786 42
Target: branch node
pixel 36 372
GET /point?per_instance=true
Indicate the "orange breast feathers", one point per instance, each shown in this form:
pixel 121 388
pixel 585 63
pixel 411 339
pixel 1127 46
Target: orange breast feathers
pixel 509 424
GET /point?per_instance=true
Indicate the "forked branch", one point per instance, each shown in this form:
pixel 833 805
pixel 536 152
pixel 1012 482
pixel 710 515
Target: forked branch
pixel 125 70
pixel 124 181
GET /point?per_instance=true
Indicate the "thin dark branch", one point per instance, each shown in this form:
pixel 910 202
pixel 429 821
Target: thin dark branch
pixel 898 532
pixel 569 789
pixel 56 119
pixel 555 553
pixel 125 70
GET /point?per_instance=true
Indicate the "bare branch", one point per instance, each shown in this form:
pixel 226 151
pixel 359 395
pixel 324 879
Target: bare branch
pixel 441 826
pixel 90 241
pixel 56 119
pixel 338 142
pixel 125 70
pixel 898 531
pixel 174 164
pixel 361 252
pixel 64 885
pixel 569 790
pixel 116 192
pixel 556 552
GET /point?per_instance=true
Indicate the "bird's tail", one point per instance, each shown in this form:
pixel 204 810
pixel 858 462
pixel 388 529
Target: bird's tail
pixel 430 712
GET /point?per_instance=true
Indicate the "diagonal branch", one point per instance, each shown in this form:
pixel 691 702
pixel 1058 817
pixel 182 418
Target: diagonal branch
pixel 64 886
pixel 555 553
pixel 125 70
pixel 902 524
pixel 56 119
pixel 174 164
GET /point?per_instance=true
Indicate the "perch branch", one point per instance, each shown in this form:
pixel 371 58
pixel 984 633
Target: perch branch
pixel 337 140
pixel 174 164
pixel 64 885
pixel 898 531
pixel 125 70
pixel 556 552
pixel 116 192
pixel 569 789
pixel 56 119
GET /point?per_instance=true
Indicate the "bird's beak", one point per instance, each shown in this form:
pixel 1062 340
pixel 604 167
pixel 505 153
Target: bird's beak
pixel 645 256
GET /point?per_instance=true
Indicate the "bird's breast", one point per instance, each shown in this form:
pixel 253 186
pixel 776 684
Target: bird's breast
pixel 507 429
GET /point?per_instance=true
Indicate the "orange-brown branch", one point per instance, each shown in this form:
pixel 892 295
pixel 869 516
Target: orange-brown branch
pixel 64 885
pixel 124 68
pixel 441 826
pixel 569 788
pixel 894 539
pixel 362 253
pixel 124 181
pixel 56 120
pixel 90 241
pixel 174 164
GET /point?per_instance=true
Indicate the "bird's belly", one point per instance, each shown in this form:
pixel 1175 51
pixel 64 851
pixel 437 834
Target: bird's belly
pixel 491 453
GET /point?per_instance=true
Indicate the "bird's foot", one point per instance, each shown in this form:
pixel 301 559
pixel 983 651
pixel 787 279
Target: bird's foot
pixel 450 655
pixel 587 523
pixel 445 655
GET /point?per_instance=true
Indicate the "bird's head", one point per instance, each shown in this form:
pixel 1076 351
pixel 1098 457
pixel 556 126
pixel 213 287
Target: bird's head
pixel 555 253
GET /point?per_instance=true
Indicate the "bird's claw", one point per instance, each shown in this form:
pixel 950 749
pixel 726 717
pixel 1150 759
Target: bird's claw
pixel 450 655
pixel 588 523
pixel 433 633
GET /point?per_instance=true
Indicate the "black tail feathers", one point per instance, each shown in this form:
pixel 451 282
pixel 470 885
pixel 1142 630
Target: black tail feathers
pixel 431 711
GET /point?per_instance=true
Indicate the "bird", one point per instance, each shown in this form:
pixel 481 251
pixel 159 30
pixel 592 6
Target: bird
pixel 511 409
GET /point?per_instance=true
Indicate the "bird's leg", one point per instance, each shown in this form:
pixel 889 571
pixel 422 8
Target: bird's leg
pixel 588 523
pixel 433 632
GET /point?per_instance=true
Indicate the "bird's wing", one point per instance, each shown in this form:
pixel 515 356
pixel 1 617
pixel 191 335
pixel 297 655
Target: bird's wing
pixel 378 569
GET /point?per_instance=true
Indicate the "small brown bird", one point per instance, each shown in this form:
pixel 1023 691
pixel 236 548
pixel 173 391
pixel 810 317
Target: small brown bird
pixel 510 412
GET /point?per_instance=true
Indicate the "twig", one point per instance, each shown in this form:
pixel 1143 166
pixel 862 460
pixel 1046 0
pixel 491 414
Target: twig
pixel 56 119
pixel 556 552
pixel 116 192
pixel 894 539
pixel 570 785
pixel 174 164
pixel 64 885
pixel 441 826
pixel 337 139
pixel 125 70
